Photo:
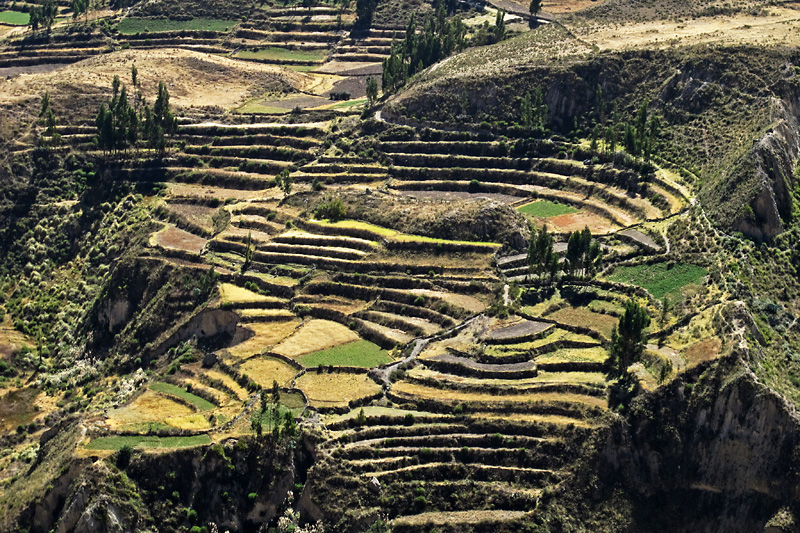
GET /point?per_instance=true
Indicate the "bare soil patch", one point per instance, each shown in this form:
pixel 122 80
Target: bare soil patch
pixel 17 407
pixel 173 238
pixel 31 69
pixel 351 68
pixel 580 220
pixel 705 350
pixel 460 195
pixel 193 78
pixel 521 329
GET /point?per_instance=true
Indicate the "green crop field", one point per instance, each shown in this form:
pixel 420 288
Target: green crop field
pixel 545 209
pixel 14 18
pixel 357 353
pixel 172 390
pixel 134 25
pixel 147 441
pixel 273 53
pixel 658 279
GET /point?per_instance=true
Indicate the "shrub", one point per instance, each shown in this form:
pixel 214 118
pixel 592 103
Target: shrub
pixel 333 210
pixel 474 186
pixel 123 457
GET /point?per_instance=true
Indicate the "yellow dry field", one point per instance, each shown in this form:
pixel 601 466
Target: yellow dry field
pixel 147 408
pixel 265 336
pixel 254 314
pixel 590 378
pixel 470 303
pixel 336 389
pixel 422 391
pixel 535 419
pixel 194 421
pixel 316 335
pixel 231 294
pixel 573 355
pixel 774 26
pixel 229 382
pixel 264 370
pixel 195 190
pixel 555 336
pixel 451 518
pixel 194 78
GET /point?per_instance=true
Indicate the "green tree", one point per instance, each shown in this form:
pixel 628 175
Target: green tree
pixel 284 182
pixel 248 253
pixel 535 7
pixel 540 252
pixel 500 26
pixel 628 338
pixel 47 119
pixel 365 9
pixel 134 75
pixel 372 90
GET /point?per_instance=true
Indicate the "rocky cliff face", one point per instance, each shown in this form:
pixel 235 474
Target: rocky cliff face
pixel 715 451
pixel 772 163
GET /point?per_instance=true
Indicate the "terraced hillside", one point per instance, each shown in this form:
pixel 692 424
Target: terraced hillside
pixel 278 300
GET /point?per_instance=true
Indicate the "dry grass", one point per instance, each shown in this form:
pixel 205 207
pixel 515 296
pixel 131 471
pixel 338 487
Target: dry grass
pixel 264 370
pixel 590 378
pixel 774 26
pixel 554 336
pixel 199 215
pixel 233 294
pixel 705 350
pixel 336 389
pixel 150 407
pixel 470 303
pixel 193 78
pixel 425 392
pixel 534 419
pixel 265 335
pixel 572 355
pixel 316 335
pixel 204 191
pixel 11 339
pixel 229 382
pixel 581 316
pixel 457 517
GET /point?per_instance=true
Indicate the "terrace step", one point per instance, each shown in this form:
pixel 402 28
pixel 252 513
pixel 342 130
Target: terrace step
pixel 463 366
pixel 437 471
pixel 414 326
pixel 248 315
pixel 445 440
pixel 313 251
pixel 509 387
pixel 393 431
pixel 462 519
pixel 326 241
pixel 259 223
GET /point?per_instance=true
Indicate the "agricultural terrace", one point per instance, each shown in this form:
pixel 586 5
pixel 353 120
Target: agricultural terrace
pixel 370 264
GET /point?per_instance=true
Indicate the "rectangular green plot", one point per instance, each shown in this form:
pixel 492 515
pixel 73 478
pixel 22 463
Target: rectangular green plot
pixel 172 390
pixel 357 353
pixel 147 441
pixel 14 18
pixel 133 25
pixel 659 279
pixel 546 209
